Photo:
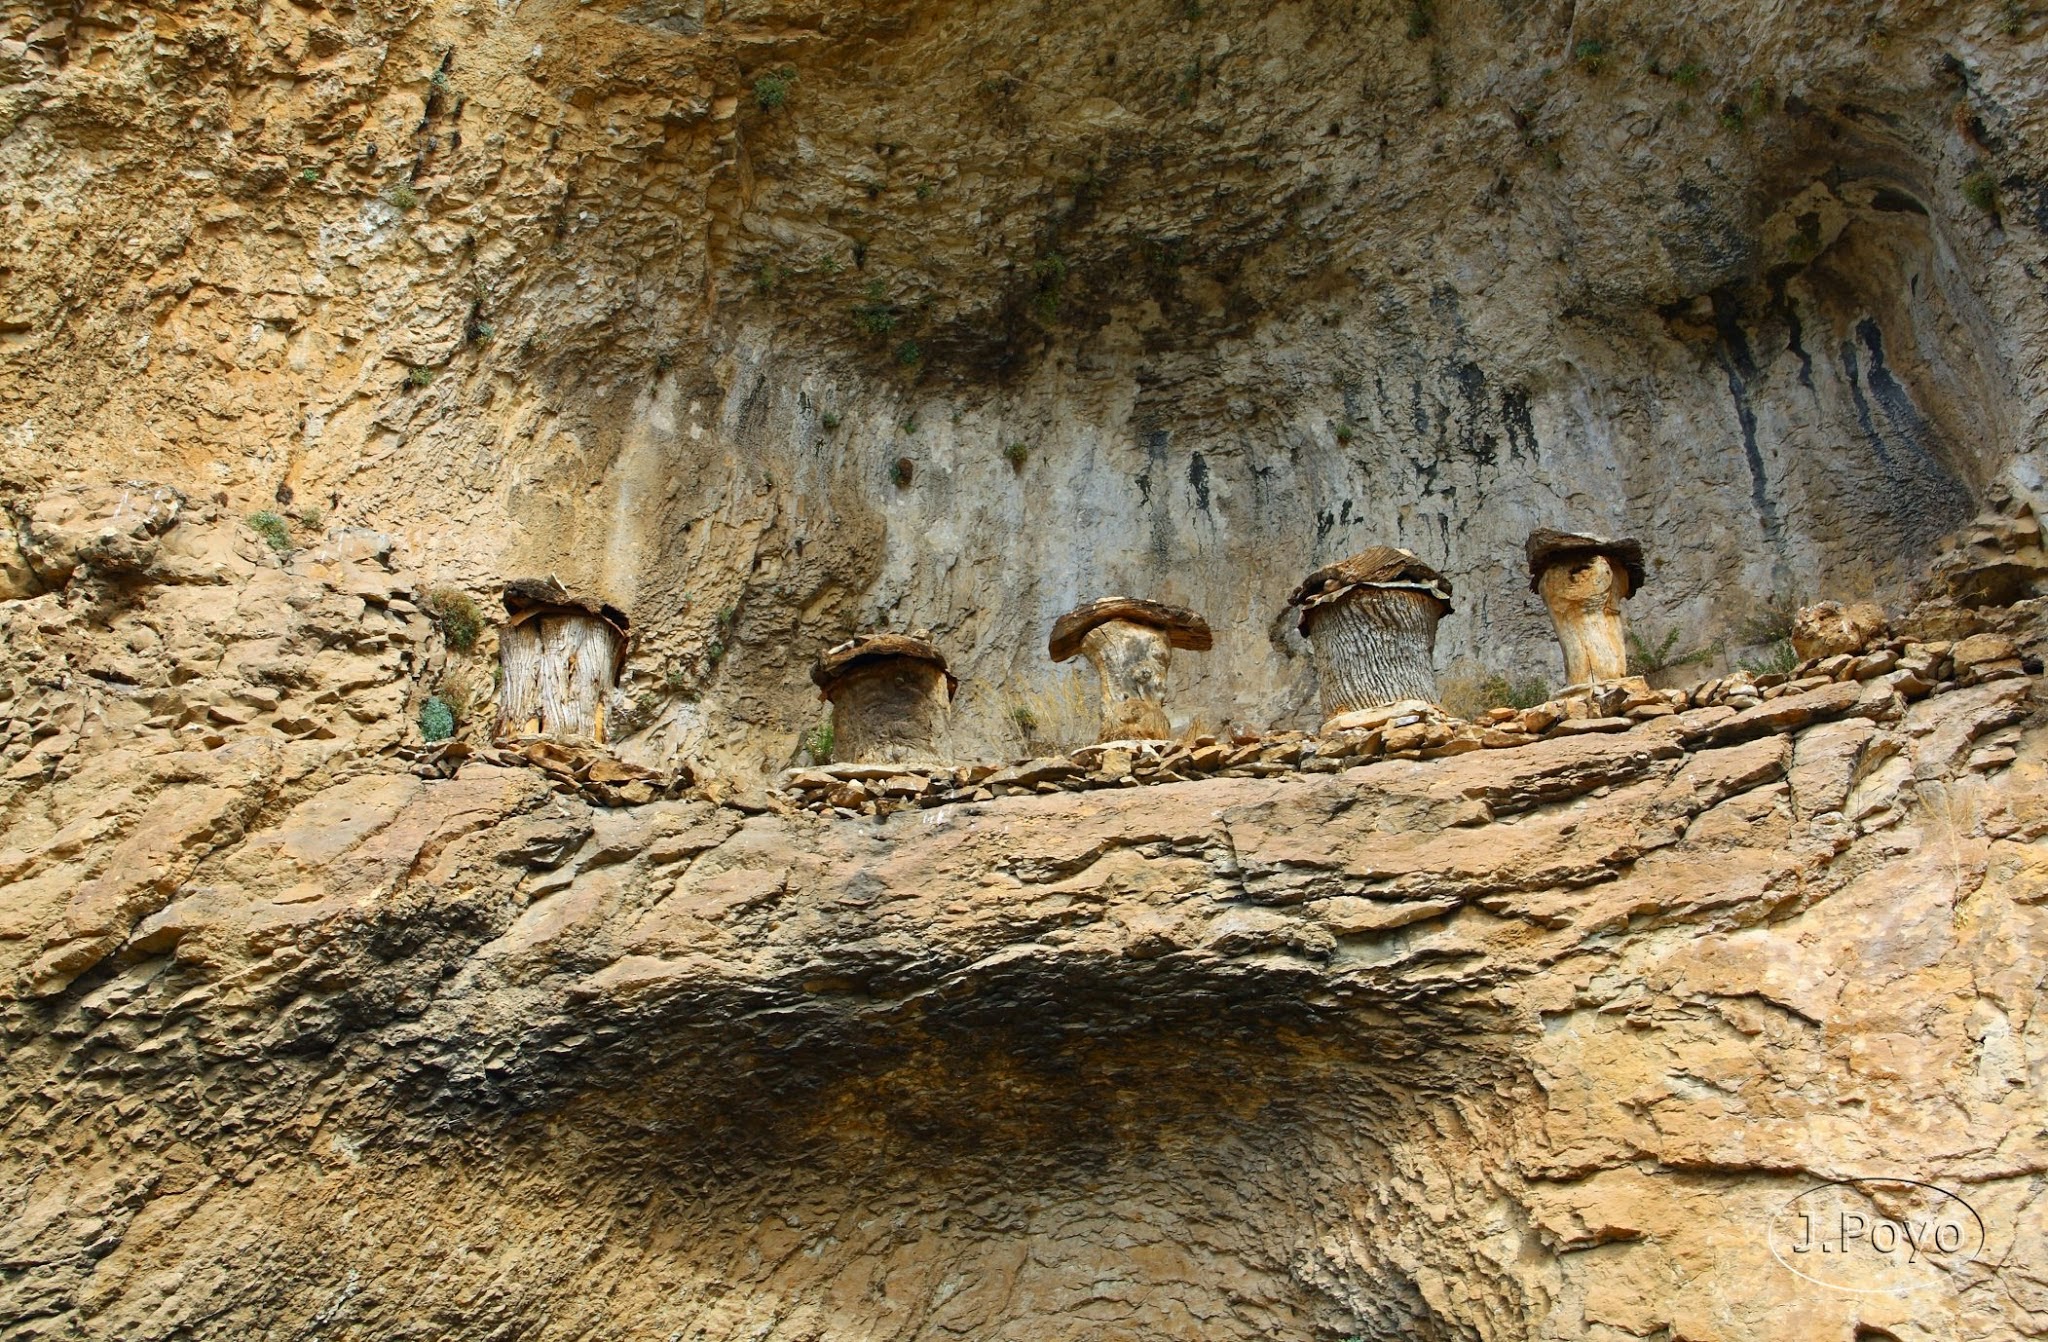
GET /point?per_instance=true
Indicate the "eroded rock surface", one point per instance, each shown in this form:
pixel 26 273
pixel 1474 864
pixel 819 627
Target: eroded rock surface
pixel 1513 1044
pixel 1179 300
pixel 323 1014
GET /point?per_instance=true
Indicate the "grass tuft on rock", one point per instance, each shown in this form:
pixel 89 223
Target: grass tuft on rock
pixel 437 719
pixel 772 90
pixel 461 622
pixel 1981 190
pixel 273 529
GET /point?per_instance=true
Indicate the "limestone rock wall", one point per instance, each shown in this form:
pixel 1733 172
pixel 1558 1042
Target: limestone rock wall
pixel 319 321
pixel 651 296
pixel 1529 1043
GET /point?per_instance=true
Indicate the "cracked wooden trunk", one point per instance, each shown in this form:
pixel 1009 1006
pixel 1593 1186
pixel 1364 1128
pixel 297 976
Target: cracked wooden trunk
pixel 1130 643
pixel 1583 580
pixel 890 711
pixel 892 699
pixel 1132 661
pixel 559 666
pixel 1374 646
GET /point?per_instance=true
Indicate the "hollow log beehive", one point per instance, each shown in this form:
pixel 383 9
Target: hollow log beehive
pixel 560 658
pixel 1372 621
pixel 892 699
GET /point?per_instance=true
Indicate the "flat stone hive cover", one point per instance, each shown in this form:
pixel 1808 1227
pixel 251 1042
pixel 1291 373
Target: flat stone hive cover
pixel 1547 548
pixel 1183 628
pixel 1379 566
pixel 840 659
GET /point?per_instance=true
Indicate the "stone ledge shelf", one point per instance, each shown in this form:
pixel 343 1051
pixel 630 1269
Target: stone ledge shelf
pixel 1877 684
pixel 1131 643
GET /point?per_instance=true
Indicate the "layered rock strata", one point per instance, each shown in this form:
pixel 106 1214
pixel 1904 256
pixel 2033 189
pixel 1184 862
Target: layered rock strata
pixel 1516 1044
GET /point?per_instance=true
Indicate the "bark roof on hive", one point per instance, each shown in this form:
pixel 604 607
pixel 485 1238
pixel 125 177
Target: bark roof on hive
pixel 1547 548
pixel 1379 566
pixel 527 597
pixel 1183 628
pixel 842 659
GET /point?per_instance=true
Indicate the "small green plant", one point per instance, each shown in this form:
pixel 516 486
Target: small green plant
pixel 1345 433
pixel 1498 691
pixel 1803 246
pixel 1732 118
pixel 441 82
pixel 1191 9
pixel 1421 19
pixel 273 529
pixel 1026 720
pixel 900 471
pixel 437 719
pixel 402 197
pixel 1188 84
pixel 772 90
pixel 926 190
pixel 723 625
pixel 1981 190
pixel 1688 74
pixel 419 375
pixel 461 622
pixel 908 426
pixel 1591 54
pixel 1776 660
pixel 1049 274
pixel 1658 654
pixel 1016 454
pixel 1769 623
pixel 818 742
pixel 909 352
pixel 828 265
pixel 829 422
pixel 310 518
pixel 2012 20
pixel 767 278
pixel 875 315
pixel 1472 696
pixel 309 175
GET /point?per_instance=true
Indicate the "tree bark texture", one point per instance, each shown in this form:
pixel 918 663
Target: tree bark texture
pixel 1373 647
pixel 557 671
pixel 895 710
pixel 1132 661
pixel 1585 606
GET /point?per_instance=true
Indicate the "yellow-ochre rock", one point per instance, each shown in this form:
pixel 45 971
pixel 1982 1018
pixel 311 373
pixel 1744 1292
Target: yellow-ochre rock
pixel 437 439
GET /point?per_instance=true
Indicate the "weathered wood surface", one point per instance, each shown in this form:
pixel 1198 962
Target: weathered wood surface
pixel 1374 646
pixel 1585 596
pixel 557 670
pixel 1132 660
pixel 891 710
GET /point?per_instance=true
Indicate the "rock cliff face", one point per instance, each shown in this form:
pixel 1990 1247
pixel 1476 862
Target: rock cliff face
pixel 756 325
pixel 651 295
